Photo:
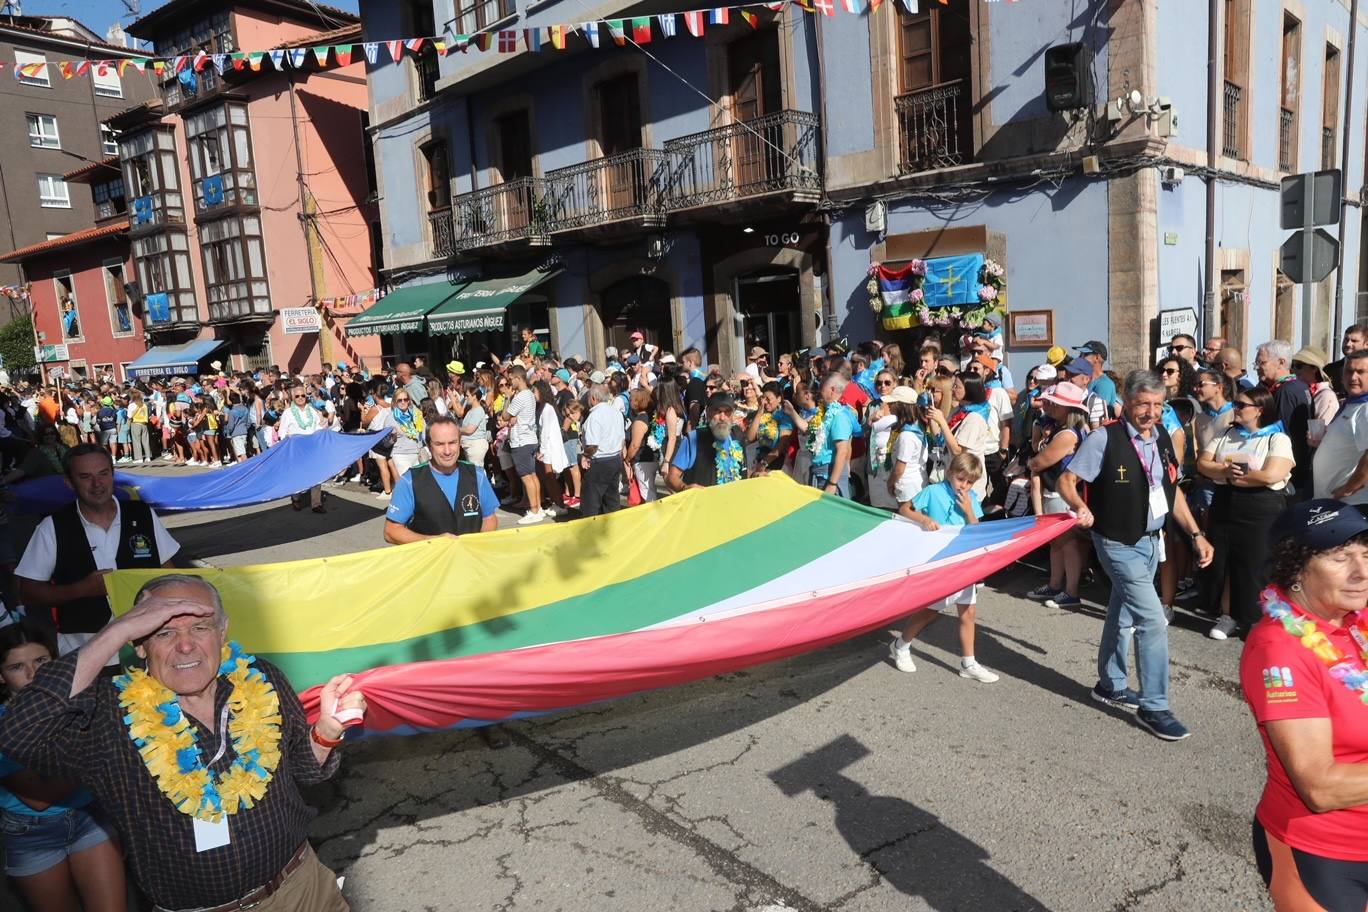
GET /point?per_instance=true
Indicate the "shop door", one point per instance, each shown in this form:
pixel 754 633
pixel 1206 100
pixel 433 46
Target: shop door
pixel 753 72
pixel 769 309
pixel 639 303
pixel 620 132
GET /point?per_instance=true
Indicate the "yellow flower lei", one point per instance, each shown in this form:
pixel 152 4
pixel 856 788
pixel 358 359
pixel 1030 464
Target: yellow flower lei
pixel 769 429
pixel 815 428
pixel 169 745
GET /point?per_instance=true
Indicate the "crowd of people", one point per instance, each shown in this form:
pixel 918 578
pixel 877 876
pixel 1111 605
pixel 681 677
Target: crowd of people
pixel 1247 480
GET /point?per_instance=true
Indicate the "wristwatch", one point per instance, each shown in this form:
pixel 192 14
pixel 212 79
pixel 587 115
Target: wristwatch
pixel 1196 535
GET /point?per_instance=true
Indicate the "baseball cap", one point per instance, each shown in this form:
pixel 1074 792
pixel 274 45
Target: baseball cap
pixel 1092 347
pixel 816 353
pixel 638 335
pixel 1319 524
pixel 719 400
pixel 1045 372
pixel 598 377
pixel 904 394
pixel 1056 355
pixel 563 375
pixel 667 359
pixel 633 360
pixel 1078 368
pixel 757 352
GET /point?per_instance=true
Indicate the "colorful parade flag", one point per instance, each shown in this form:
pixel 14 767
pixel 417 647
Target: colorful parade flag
pixel 445 634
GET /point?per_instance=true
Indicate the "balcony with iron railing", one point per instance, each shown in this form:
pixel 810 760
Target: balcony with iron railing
pixel 508 213
pixel 1287 139
pixel 1232 120
pixel 775 154
pixel 625 188
pixel 929 127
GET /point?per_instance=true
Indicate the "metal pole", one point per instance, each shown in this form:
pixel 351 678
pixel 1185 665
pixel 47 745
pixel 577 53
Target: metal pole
pixel 1346 133
pixel 1209 326
pixel 1308 250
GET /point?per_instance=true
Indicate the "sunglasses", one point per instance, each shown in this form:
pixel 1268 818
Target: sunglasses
pixel 301 397
pixel 944 372
pixel 401 400
pixel 1169 370
pixel 1179 348
pixel 1245 405
pixel 883 383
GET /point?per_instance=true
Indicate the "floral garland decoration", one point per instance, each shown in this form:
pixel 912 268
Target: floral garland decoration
pixel 656 438
pixel 992 281
pixel 729 456
pixel 1347 670
pixel 816 430
pixel 768 431
pixel 169 744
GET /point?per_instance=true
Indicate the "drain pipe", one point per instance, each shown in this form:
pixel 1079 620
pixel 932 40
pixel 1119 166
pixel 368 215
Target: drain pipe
pixel 1214 92
pixel 1345 135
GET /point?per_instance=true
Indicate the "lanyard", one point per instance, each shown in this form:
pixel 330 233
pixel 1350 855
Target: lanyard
pixel 1149 469
pixel 223 736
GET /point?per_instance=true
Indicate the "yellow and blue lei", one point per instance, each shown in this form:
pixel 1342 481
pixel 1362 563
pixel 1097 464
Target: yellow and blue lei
pixel 169 745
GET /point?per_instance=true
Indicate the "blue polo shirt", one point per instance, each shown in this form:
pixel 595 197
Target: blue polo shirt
pixel 402 504
pixel 938 502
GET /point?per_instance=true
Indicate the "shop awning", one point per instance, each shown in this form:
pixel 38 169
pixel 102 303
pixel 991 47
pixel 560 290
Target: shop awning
pixel 400 311
pixel 170 360
pixel 479 306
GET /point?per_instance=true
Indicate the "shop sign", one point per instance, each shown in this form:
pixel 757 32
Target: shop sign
pixel 300 320
pixel 46 354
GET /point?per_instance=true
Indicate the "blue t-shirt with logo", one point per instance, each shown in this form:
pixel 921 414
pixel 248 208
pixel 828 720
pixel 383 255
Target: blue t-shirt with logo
pixel 939 503
pixel 840 425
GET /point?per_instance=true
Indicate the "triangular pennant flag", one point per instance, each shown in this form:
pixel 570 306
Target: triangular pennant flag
pixel 123 65
pixel 828 7
pixel 532 39
pixel 751 19
pixel 874 5
pixel 255 59
pixel 201 61
pixel 667 24
pixel 853 6
pixel 693 21
pixel 83 68
pixel 159 67
pixel 615 29
pixel 484 41
pixel 239 60
pixel 179 63
pixel 298 57
pixel 66 69
pixel 102 67
pixel 719 16
pixel 806 5
pixel 558 37
pixel 641 30
pixel 414 45
pixel 463 43
pixel 278 58
pixel 220 62
pixel 372 49
pixel 321 55
pixel 508 41
pixel 591 32
pixel 774 7
pixel 396 49
pixel 343 54
pixel 911 6
pixel 440 46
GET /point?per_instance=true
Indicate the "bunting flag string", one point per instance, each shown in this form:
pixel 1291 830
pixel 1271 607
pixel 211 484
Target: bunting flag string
pixel 637 30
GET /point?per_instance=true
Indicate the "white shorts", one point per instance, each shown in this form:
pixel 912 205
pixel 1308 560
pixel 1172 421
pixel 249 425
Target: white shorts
pixel 967 596
pixel 1051 502
pixel 239 445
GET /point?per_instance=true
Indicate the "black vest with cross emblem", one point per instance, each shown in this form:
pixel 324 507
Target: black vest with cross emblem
pixel 433 514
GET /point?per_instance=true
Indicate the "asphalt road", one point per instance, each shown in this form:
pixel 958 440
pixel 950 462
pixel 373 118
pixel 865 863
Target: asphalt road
pixel 829 781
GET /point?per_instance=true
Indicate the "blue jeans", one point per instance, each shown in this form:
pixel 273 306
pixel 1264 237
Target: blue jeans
pixel 821 477
pixel 1134 611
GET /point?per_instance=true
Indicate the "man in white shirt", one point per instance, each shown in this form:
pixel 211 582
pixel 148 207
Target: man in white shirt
pixel 300 420
pixel 601 459
pixel 1340 467
pixel 64 565
pixel 520 417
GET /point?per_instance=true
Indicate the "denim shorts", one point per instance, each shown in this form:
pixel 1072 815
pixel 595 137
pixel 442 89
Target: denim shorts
pixel 33 844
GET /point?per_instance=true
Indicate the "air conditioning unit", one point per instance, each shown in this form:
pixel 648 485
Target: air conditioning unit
pixel 876 217
pixel 1171 175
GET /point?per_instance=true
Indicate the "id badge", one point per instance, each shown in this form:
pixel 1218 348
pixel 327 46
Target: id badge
pixel 210 835
pixel 1158 503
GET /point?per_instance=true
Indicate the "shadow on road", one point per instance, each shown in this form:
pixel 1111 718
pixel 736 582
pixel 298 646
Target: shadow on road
pixel 910 847
pixel 281 525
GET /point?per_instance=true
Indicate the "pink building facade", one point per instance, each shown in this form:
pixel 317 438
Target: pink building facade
pixel 250 198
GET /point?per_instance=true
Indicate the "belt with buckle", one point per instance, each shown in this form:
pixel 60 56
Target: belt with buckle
pixel 259 895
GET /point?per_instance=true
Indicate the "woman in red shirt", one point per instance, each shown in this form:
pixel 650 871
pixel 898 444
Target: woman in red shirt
pixel 1305 676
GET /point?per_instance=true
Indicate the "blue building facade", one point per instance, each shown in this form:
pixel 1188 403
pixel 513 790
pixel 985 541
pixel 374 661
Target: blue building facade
pixel 733 189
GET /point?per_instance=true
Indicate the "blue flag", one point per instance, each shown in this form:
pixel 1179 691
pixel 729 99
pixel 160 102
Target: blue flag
pixel 953 281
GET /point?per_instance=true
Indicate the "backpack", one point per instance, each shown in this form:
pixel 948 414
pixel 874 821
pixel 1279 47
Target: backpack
pixel 106 418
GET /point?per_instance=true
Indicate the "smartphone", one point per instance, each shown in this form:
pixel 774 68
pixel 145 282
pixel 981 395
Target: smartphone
pixel 925 400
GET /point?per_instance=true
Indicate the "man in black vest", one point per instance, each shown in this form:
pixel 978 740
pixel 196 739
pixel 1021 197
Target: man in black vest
pixel 443 497
pixel 712 454
pixel 1131 471
pixel 64 565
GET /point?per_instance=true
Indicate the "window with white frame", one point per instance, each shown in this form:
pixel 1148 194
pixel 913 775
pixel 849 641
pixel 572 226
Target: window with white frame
pixel 52 192
pixel 109 140
pixel 105 78
pixel 120 315
pixel 31 69
pixel 43 131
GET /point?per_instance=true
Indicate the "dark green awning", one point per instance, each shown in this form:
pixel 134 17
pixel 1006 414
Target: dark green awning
pixel 400 311
pixel 481 305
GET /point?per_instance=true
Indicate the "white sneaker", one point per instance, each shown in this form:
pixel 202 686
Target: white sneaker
pixel 383 495
pixel 168 456
pixel 530 518
pixel 354 479
pixel 902 658
pixel 192 462
pixel 978 673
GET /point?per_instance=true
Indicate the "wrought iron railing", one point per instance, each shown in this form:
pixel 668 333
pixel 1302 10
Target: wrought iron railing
pixel 630 185
pixel 440 235
pixel 511 211
pixel 1287 141
pixel 928 127
pixel 776 152
pixel 1232 120
pixel 1329 153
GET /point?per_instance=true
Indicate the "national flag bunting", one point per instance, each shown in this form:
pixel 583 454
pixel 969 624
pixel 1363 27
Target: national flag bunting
pixel 591 32
pixel 67 70
pixel 719 16
pixel 912 6
pixel 414 45
pixel 558 33
pixel 828 7
pixel 343 53
pixel 532 39
pixel 693 21
pixel 667 24
pixel 484 41
pixel 751 19
pixel 615 29
pixel 254 60
pixel 853 6
pixel 508 41
pixel 200 61
pixel 298 57
pixel 641 30
pixel 372 49
pixel 874 5
pixel 396 49
pixel 220 62
pixel 83 67
pixel 321 55
pixel 278 58
pixel 239 60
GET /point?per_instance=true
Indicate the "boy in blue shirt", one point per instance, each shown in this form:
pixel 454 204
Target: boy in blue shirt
pixel 951 502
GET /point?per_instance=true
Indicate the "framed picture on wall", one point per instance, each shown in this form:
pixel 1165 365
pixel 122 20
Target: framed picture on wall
pixel 1030 329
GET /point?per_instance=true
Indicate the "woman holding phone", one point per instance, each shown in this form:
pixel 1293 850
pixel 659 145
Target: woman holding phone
pixel 1249 466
